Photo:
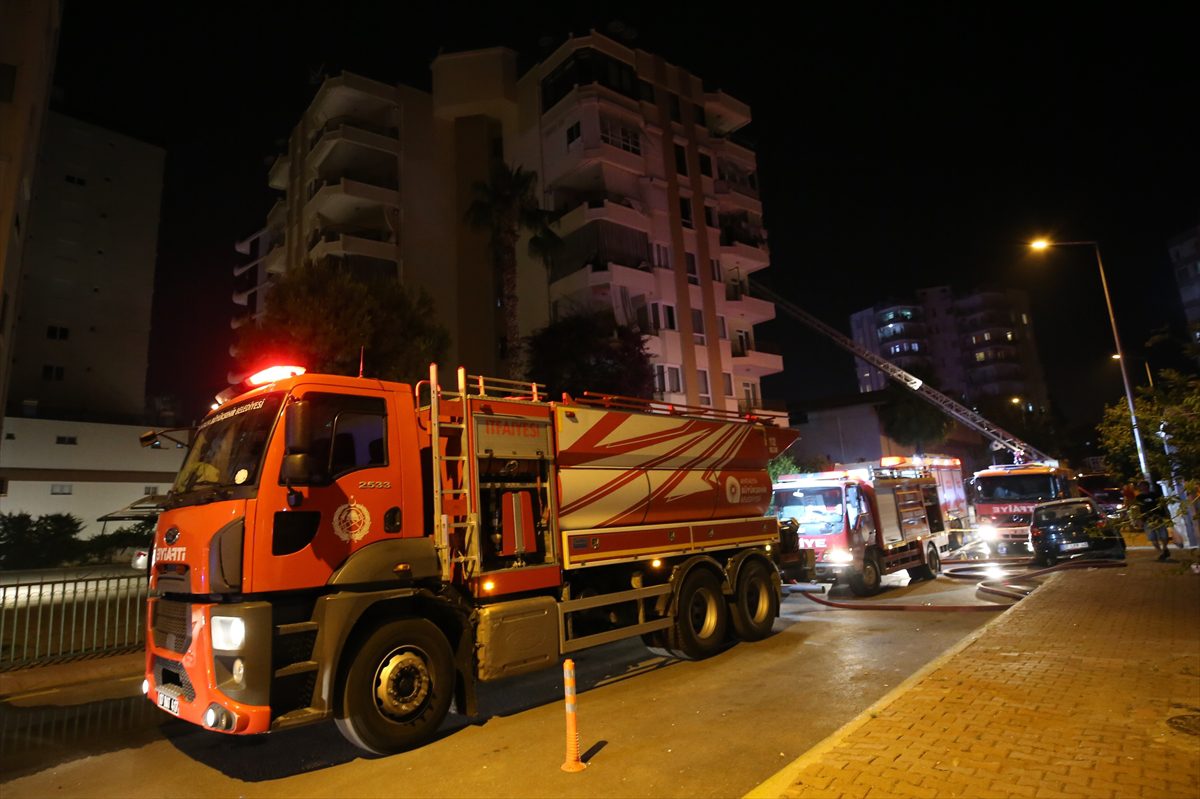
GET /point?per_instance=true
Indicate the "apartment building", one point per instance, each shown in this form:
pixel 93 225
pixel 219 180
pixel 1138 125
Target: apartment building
pixel 661 220
pixel 975 345
pixel 28 43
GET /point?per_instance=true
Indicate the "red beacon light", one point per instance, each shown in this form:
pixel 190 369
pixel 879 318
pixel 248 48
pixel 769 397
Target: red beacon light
pixel 273 373
pixel 268 375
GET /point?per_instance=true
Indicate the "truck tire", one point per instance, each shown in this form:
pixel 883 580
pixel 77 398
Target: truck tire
pixel 870 580
pixel 931 567
pixel 754 604
pixel 398 687
pixel 700 617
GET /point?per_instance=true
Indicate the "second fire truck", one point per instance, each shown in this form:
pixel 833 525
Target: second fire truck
pixel 1003 498
pixel 867 520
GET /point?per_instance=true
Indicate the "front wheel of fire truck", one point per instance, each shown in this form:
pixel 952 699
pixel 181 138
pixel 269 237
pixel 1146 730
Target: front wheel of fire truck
pixel 398 687
pixel 754 605
pixel 869 581
pixel 700 617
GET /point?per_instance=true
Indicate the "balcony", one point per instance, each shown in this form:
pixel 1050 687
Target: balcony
pixel 754 360
pixel 741 305
pixel 725 114
pixel 624 211
pixel 354 135
pixel 348 242
pixel 353 95
pixel 277 175
pixel 340 200
pixel 274 261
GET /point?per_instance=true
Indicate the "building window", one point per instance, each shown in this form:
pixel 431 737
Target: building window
pixel 149 490
pixel 727 383
pixel 57 333
pixel 3 487
pixel 981 356
pixel 662 316
pixel 675 113
pixel 987 336
pixel 716 269
pixel 69 440
pixel 692 272
pixel 1024 319
pixel 710 215
pixel 75 180
pixel 60 489
pixel 698 326
pixel 701 118
pixel 662 256
pixel 681 160
pixel 621 135
pixel 646 91
pixel 685 211
pixel 666 379
pixel 1008 334
pixel 721 327
pixel 573 134
pixel 702 387
pixel 51 372
pixel 705 164
pixel 8 82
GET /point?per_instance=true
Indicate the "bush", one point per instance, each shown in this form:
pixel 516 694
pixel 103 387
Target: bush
pixel 28 543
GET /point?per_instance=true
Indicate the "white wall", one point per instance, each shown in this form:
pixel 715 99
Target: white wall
pixel 106 468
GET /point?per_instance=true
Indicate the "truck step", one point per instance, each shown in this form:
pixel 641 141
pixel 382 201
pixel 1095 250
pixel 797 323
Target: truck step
pixel 297 627
pixel 303 667
pixel 295 718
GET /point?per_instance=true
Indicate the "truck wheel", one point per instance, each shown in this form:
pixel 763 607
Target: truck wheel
pixel 870 580
pixel 398 687
pixel 700 618
pixel 929 571
pixel 754 605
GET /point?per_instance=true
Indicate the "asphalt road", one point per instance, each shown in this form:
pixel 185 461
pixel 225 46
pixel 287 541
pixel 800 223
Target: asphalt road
pixel 648 726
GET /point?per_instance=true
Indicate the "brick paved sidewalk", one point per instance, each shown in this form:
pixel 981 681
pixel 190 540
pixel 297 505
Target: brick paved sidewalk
pixel 1070 693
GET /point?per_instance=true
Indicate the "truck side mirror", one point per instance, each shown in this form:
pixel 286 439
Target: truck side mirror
pixel 297 469
pixel 297 428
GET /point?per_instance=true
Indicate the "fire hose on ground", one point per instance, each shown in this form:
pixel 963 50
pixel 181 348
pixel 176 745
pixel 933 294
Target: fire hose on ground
pixel 1003 587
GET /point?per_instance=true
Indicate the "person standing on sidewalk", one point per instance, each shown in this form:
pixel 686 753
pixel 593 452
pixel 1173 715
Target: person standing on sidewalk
pixel 1153 515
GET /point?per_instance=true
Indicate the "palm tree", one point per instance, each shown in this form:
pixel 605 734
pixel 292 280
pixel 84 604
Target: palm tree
pixel 507 206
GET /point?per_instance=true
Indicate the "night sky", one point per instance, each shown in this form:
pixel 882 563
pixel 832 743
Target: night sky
pixel 899 146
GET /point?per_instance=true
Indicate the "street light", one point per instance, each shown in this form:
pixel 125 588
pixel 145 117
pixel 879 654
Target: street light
pixel 1044 244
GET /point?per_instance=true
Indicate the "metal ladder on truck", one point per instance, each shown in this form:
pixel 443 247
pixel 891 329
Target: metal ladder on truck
pixel 1020 449
pixel 445 487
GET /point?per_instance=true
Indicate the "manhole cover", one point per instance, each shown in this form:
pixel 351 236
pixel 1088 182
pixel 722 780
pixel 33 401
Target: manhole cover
pixel 1189 724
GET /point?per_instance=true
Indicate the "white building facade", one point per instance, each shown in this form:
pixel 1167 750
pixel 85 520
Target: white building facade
pixel 85 469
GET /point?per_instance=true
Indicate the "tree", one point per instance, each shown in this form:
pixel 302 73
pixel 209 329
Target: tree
pixel 506 206
pixel 590 352
pixel 1171 406
pixel 911 421
pixel 28 543
pixel 321 315
pixel 783 463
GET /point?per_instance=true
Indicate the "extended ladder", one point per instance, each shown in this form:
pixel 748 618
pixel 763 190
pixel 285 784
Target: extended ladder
pixel 948 406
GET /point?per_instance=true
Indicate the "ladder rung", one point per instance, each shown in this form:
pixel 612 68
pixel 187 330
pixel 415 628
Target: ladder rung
pixel 452 457
pixel 454 490
pixel 459 425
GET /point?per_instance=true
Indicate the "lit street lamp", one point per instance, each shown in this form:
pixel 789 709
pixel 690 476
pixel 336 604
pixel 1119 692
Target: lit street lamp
pixel 1043 244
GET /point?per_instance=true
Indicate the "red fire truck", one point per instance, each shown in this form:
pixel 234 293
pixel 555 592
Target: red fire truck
pixel 871 519
pixel 367 551
pixel 1003 497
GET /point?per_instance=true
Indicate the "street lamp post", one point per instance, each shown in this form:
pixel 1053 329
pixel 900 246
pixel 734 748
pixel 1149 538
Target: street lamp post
pixel 1043 244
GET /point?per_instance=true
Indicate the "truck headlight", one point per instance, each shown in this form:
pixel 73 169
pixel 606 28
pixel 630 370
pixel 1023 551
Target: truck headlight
pixel 988 533
pixel 228 633
pixel 839 556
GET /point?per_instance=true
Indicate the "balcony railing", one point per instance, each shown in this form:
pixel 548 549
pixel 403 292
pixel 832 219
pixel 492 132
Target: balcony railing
pixel 352 122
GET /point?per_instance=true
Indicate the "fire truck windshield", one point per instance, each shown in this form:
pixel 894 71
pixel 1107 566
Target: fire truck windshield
pixel 229 445
pixel 817 510
pixel 1022 487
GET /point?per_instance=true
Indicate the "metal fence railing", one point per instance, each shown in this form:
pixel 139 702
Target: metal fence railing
pixel 55 620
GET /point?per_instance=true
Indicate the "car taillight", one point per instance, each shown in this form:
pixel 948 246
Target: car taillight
pixel 1101 522
pixel 1035 532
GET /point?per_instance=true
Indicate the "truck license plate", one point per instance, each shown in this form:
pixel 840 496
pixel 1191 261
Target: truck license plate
pixel 168 703
pixel 1076 545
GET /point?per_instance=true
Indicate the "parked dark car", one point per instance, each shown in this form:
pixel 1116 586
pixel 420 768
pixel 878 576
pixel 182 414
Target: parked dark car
pixel 1066 528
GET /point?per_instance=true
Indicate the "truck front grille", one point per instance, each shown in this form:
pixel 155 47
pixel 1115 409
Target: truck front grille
pixel 172 625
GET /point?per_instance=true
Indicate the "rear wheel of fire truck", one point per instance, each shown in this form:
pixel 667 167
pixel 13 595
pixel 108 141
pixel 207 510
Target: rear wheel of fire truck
pixel 931 567
pixel 700 617
pixel 754 605
pixel 869 581
pixel 398 688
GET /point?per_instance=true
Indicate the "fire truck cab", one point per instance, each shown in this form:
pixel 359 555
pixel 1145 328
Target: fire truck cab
pixel 1003 498
pixel 867 521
